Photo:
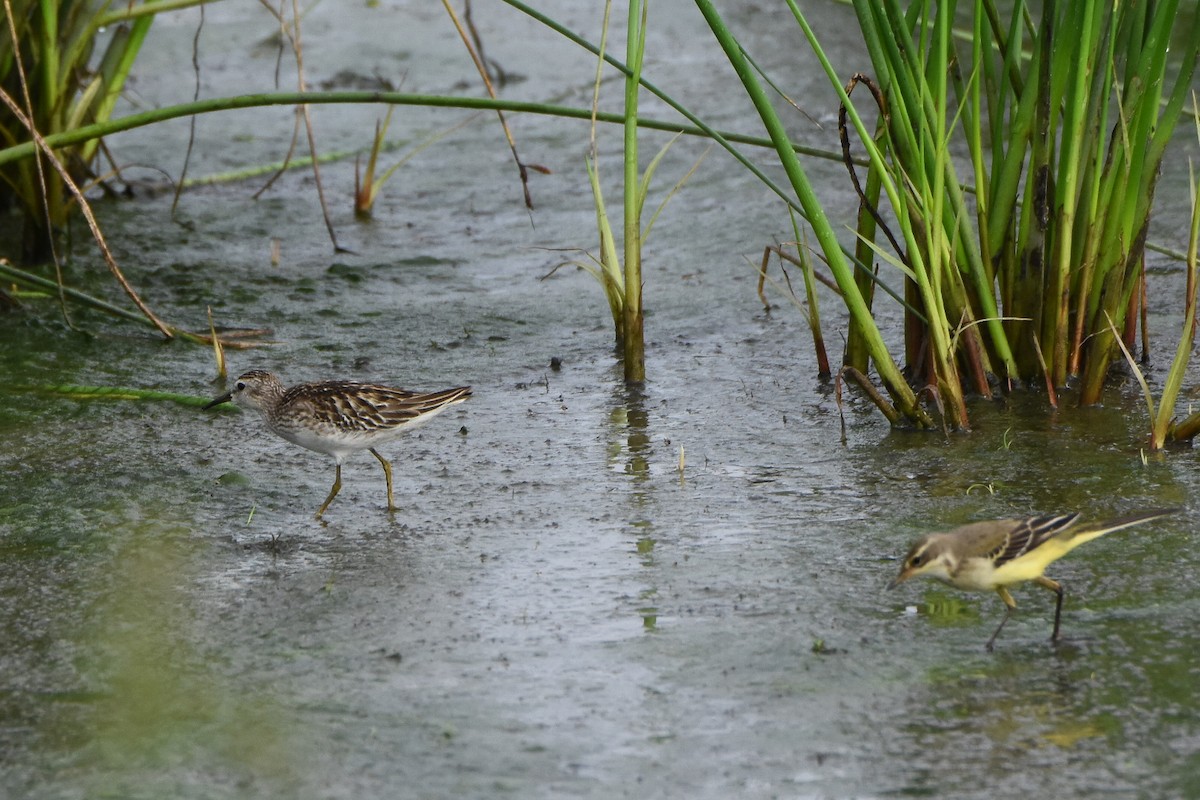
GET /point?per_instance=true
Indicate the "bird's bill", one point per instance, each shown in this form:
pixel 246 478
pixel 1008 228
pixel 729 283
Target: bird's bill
pixel 225 398
pixel 904 575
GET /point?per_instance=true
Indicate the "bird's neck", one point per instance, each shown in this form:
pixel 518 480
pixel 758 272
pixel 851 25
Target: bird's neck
pixel 944 567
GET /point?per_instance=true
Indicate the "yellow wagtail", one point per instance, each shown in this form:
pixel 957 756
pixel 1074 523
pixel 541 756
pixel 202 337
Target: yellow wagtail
pixel 993 555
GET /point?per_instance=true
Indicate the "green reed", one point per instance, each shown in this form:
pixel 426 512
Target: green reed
pixel 1064 124
pixel 634 343
pixel 1163 425
pixel 50 72
pixel 620 276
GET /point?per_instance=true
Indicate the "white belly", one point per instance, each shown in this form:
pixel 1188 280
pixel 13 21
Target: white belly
pixel 342 444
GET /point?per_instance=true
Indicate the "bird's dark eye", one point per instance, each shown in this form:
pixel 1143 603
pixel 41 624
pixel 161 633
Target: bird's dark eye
pixel 916 560
pixel 241 387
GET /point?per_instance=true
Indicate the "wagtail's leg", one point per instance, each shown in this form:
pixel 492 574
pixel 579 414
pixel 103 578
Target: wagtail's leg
pixel 1057 588
pixel 337 487
pixel 1011 604
pixel 387 473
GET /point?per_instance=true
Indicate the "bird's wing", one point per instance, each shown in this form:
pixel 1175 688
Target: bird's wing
pixel 398 406
pixel 1028 534
pixel 363 407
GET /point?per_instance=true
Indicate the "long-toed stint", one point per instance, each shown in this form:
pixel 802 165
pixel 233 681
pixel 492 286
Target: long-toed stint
pixel 993 555
pixel 339 417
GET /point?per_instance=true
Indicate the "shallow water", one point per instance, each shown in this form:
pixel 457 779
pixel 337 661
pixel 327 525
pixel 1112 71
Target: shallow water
pixel 556 610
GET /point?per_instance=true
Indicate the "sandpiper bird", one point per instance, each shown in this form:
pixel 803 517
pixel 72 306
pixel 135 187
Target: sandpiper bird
pixel 993 555
pixel 339 417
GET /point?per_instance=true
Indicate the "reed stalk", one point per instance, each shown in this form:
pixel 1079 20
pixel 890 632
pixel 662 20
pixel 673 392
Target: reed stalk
pixel 633 336
pixel 619 272
pixel 1164 428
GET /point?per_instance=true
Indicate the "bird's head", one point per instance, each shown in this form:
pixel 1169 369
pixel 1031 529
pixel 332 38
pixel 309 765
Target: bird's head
pixel 926 556
pixel 256 389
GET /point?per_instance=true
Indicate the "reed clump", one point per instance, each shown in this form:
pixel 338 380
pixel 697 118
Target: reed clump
pixel 53 81
pixel 1064 116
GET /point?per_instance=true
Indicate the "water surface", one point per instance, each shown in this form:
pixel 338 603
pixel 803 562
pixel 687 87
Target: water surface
pixel 556 610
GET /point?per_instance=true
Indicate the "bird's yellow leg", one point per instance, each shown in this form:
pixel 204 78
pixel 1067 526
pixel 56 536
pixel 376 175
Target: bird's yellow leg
pixel 387 473
pixel 337 487
pixel 1010 605
pixel 1057 588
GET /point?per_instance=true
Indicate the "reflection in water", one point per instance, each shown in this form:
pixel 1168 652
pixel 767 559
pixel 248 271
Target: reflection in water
pixel 629 447
pixel 629 452
pixel 1038 705
pixel 163 699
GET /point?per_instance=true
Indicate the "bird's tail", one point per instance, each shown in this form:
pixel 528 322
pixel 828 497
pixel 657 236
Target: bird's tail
pixel 1088 533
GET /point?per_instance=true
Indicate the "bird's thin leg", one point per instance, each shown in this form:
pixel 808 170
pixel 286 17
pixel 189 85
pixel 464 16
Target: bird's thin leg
pixel 387 473
pixel 1057 588
pixel 1010 605
pixel 337 487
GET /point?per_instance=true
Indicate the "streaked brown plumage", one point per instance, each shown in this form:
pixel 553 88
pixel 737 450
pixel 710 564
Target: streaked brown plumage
pixel 339 417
